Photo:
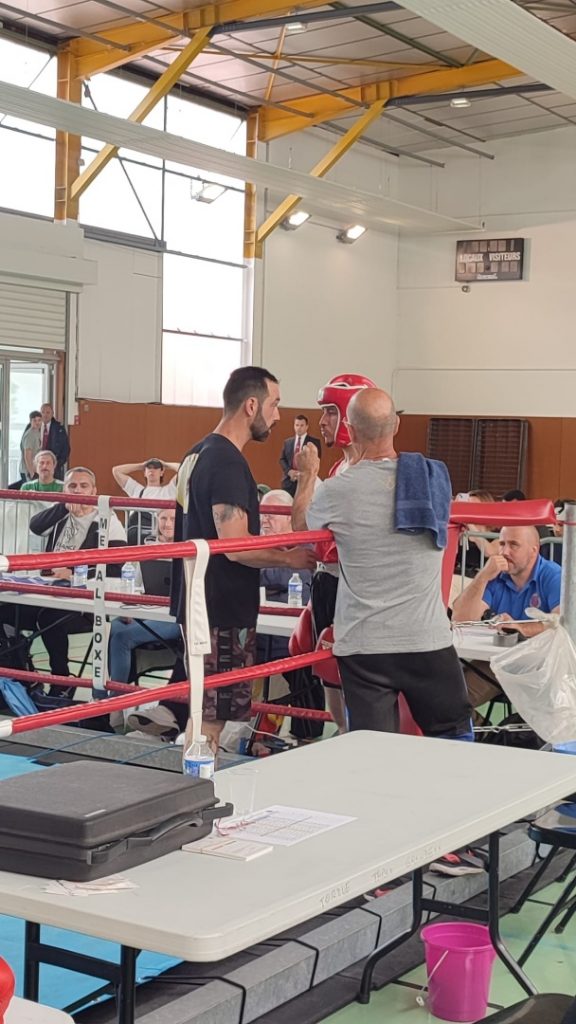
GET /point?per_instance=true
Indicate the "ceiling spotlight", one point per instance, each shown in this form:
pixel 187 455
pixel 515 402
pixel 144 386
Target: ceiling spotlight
pixel 295 220
pixel 293 27
pixel 459 101
pixel 350 235
pixel 206 191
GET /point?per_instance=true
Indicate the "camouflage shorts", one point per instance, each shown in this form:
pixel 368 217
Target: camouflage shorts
pixel 231 648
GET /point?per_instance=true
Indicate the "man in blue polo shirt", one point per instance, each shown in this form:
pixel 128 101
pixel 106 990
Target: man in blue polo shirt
pixel 515 579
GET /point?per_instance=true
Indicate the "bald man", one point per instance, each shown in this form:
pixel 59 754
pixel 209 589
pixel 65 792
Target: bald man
pixel 511 581
pixel 392 634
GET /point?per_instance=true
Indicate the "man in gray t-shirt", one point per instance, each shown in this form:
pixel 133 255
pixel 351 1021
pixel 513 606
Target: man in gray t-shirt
pixel 391 629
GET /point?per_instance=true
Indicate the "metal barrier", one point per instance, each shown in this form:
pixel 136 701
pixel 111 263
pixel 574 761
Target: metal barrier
pixel 15 516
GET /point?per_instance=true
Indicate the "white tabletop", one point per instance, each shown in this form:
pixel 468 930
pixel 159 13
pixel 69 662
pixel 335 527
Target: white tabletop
pixel 22 1011
pixel 475 643
pixel 413 799
pixel 274 625
pixel 114 609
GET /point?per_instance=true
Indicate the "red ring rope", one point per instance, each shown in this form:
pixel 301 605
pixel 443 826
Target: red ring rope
pixel 61 716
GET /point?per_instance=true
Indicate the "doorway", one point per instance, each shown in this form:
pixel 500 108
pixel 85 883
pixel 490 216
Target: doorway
pixel 25 383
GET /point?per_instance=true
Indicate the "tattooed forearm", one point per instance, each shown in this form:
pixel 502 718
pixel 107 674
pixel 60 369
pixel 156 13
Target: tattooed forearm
pixel 225 513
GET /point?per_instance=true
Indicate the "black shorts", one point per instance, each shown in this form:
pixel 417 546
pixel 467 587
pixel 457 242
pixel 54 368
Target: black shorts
pixel 432 683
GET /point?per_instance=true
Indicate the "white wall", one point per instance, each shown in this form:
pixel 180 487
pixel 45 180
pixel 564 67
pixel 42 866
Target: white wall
pixel 501 349
pixel 120 326
pixel 115 335
pixel 50 255
pixel 322 307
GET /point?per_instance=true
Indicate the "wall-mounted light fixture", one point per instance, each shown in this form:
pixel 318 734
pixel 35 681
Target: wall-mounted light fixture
pixel 205 191
pixel 294 27
pixel 351 234
pixel 295 220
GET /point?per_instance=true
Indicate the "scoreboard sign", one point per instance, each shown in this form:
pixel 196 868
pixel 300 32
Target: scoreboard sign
pixel 489 259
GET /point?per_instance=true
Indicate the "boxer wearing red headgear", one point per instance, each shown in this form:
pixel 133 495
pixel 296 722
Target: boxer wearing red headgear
pixel 333 398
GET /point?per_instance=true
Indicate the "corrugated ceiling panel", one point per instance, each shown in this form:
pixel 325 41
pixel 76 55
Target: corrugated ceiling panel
pixel 505 30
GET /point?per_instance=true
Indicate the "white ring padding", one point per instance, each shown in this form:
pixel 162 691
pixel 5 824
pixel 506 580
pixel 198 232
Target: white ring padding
pixel 5 727
pixel 197 633
pixel 4 564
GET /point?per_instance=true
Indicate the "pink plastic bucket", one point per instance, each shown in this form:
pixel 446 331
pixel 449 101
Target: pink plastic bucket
pixel 459 959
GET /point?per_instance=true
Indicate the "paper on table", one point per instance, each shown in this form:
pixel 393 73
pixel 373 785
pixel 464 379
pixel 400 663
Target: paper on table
pixel 112 883
pixel 227 846
pixel 286 826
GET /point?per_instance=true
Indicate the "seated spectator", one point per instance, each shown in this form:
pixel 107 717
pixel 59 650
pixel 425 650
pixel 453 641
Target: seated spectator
pixel 154 471
pixel 44 468
pixel 512 581
pixel 269 648
pixel 126 634
pixel 515 495
pixel 140 522
pixel 558 527
pixel 276 580
pixel 479 545
pixel 30 444
pixel 67 527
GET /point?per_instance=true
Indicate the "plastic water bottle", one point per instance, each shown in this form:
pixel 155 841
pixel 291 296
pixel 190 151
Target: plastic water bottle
pixel 295 591
pixel 80 576
pixel 199 760
pixel 128 576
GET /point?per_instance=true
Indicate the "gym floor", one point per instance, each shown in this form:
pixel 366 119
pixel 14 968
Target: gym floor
pixel 552 968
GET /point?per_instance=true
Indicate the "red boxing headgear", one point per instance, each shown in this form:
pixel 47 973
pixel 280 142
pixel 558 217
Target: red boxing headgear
pixel 338 391
pixel 6 987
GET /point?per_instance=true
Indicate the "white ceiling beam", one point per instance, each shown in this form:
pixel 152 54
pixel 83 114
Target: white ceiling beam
pixel 507 32
pixel 377 212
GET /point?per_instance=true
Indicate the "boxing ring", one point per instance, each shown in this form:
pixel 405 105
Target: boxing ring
pixel 109 696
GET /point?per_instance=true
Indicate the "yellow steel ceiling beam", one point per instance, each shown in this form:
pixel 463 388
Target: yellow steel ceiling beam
pixel 159 89
pixel 250 192
pixel 322 167
pixel 67 153
pixel 144 37
pixel 274 122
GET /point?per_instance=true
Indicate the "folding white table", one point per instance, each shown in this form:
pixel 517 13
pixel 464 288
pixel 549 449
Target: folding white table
pixel 413 799
pixel 23 1011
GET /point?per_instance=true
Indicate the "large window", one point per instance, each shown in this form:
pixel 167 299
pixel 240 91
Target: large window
pixel 27 164
pixel 161 201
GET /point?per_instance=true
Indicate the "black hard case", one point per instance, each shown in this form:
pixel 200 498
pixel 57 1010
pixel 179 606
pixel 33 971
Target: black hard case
pixel 83 820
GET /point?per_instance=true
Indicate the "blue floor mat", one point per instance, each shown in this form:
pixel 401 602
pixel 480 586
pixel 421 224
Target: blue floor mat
pixel 60 988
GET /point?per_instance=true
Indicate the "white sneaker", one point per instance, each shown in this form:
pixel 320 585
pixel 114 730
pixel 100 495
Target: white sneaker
pixel 154 722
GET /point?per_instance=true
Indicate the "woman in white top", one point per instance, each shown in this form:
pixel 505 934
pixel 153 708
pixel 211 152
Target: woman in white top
pixel 154 470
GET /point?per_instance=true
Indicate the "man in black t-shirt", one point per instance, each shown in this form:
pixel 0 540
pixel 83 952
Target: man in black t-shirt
pixel 217 497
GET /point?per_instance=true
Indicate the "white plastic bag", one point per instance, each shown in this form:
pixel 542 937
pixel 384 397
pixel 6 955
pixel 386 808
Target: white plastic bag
pixel 539 677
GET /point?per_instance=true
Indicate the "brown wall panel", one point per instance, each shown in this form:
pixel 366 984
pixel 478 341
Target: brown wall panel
pixel 544 458
pixel 567 480
pixel 110 433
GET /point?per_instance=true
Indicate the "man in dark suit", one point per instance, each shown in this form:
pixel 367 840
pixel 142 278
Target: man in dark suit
pixel 53 438
pixel 291 447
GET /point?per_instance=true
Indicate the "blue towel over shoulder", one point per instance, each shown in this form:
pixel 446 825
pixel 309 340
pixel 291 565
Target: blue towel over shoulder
pixel 423 496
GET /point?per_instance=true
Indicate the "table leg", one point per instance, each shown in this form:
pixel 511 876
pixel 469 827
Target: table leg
pixel 378 954
pixel 127 986
pixel 31 964
pixel 494 916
